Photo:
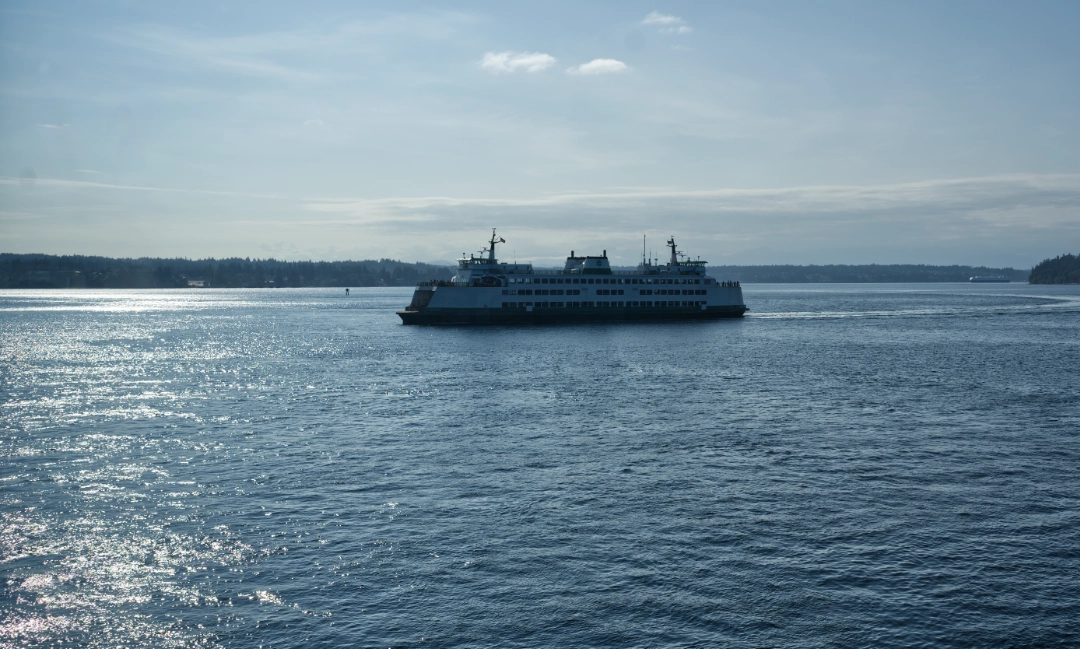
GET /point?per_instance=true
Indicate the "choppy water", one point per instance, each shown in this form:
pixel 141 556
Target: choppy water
pixel 848 466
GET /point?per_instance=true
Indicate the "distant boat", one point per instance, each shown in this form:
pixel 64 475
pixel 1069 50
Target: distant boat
pixel 982 279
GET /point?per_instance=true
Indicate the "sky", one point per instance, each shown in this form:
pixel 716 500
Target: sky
pixel 753 132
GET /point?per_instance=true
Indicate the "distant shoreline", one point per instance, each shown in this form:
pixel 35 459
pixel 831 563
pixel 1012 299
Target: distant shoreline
pixel 77 271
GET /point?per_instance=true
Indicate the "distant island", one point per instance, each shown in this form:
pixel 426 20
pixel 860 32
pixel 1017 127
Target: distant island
pixel 77 271
pixel 860 273
pixel 1064 269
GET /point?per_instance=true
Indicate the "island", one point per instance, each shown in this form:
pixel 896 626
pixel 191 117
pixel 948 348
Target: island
pixel 1063 269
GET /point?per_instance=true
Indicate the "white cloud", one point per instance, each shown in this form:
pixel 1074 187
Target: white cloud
pixel 507 62
pixel 54 125
pixel 657 18
pixel 1002 220
pixel 667 24
pixel 314 123
pixel 598 66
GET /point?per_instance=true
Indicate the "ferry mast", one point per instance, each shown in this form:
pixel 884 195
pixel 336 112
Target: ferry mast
pixel 491 250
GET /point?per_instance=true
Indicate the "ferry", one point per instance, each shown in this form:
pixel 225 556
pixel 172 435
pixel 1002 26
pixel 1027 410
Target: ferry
pixel 587 289
pixel 984 279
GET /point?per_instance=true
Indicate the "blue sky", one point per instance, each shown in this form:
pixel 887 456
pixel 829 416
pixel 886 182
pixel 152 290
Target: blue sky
pixel 754 132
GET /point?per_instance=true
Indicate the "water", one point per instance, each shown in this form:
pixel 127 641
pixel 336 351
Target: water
pixel 848 466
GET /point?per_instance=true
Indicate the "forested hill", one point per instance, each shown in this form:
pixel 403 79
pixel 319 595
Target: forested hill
pixel 884 273
pixel 76 271
pixel 1064 269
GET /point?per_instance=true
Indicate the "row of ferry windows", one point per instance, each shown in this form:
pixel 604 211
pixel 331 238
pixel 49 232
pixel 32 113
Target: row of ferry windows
pixel 541 291
pixel 612 280
pixel 608 303
pixel 602 291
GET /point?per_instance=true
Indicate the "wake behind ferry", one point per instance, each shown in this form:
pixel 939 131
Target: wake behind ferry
pixel 487 291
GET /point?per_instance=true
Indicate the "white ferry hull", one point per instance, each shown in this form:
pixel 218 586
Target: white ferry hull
pixel 429 316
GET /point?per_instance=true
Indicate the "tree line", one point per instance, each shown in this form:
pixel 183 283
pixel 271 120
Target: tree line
pixel 1063 269
pixel 860 273
pixel 78 271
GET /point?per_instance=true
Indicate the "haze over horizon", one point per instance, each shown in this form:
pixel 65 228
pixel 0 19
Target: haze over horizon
pixel 836 133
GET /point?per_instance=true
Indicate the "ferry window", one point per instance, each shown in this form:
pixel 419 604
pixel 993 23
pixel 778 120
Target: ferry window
pixel 697 281
pixel 591 281
pixel 576 281
pixel 621 291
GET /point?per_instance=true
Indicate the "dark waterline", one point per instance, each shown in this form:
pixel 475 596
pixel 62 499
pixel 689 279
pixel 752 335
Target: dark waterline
pixel 848 466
